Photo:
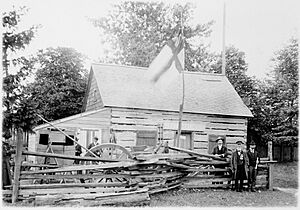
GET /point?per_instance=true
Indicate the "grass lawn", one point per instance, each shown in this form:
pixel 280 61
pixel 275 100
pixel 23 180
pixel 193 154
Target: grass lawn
pixel 285 176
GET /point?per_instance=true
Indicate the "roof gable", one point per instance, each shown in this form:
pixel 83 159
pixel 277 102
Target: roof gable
pixel 126 86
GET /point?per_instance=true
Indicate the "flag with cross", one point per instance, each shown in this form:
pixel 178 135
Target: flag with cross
pixel 171 56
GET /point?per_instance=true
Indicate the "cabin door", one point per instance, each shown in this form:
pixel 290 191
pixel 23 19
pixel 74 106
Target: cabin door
pixel 185 141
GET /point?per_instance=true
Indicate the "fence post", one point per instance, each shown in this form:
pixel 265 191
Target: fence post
pixel 270 173
pixel 17 170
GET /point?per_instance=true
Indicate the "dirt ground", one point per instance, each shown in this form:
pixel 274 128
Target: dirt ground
pixel 285 176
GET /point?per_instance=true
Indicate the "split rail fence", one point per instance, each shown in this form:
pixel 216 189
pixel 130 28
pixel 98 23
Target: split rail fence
pixel 126 182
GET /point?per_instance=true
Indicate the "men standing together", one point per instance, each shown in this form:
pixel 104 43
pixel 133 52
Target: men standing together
pixel 244 166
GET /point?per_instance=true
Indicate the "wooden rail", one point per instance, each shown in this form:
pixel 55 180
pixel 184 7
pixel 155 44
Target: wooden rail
pixel 151 173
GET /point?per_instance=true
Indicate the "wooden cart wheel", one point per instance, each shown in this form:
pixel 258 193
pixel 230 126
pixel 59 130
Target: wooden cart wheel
pixel 106 151
pixel 111 151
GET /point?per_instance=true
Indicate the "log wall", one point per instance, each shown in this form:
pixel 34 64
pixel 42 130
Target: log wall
pixel 126 122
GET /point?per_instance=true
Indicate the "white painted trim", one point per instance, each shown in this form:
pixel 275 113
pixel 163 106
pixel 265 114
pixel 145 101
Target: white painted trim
pixel 69 118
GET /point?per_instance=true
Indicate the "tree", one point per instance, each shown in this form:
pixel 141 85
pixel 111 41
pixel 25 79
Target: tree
pixel 236 68
pixel 15 70
pixel 60 82
pixel 248 88
pixel 283 94
pixel 137 31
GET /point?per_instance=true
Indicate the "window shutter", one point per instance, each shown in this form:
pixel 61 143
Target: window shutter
pixel 148 138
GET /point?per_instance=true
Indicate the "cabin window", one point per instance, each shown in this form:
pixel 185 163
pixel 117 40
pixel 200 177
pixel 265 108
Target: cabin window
pixel 44 139
pixel 69 142
pixel 148 138
pixel 212 142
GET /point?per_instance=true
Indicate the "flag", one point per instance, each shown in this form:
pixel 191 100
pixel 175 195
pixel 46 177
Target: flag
pixel 171 53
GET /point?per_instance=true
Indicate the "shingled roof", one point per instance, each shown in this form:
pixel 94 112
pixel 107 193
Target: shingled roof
pixel 130 87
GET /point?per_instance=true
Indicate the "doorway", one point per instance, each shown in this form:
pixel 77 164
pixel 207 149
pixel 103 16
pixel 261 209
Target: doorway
pixel 185 140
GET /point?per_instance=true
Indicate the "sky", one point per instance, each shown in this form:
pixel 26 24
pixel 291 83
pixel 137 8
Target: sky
pixel 256 27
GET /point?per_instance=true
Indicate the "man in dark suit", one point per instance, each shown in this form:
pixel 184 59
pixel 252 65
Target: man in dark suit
pixel 239 166
pixel 253 163
pixel 220 150
pixel 95 142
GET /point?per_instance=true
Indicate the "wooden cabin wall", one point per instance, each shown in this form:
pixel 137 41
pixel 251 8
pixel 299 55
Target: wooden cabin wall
pixel 55 136
pixel 97 123
pixel 93 100
pixel 126 122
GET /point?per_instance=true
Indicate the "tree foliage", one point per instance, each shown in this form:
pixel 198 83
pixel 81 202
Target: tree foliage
pixel 283 94
pixel 60 82
pixel 137 31
pixel 15 70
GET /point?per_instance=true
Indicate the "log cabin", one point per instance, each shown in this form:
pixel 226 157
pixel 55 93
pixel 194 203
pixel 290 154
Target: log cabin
pixel 121 101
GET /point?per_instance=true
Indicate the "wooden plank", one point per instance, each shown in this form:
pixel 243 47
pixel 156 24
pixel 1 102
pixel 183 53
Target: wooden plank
pixel 271 169
pixel 226 120
pixel 215 162
pixel 132 127
pixel 207 176
pixel 195 153
pixel 193 169
pixel 107 198
pixel 270 176
pixel 71 185
pixel 233 140
pixel 75 176
pixel 198 144
pixel 153 191
pixel 224 185
pixel 226 132
pixel 200 181
pixel 167 134
pixel 201 150
pixel 227 126
pixel 163 175
pixel 86 126
pixel 156 114
pixel 125 135
pixel 118 165
pixel 44 154
pixel 135 121
pixel 17 168
pixel 126 143
pixel 201 137
pixel 186 125
pixel 168 156
pixel 71 190
pixel 29 164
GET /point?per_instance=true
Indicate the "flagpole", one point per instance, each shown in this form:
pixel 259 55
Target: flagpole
pixel 183 93
pixel 223 50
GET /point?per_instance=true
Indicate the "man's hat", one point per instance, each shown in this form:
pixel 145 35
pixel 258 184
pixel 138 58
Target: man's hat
pixel 252 143
pixel 239 142
pixel 220 138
